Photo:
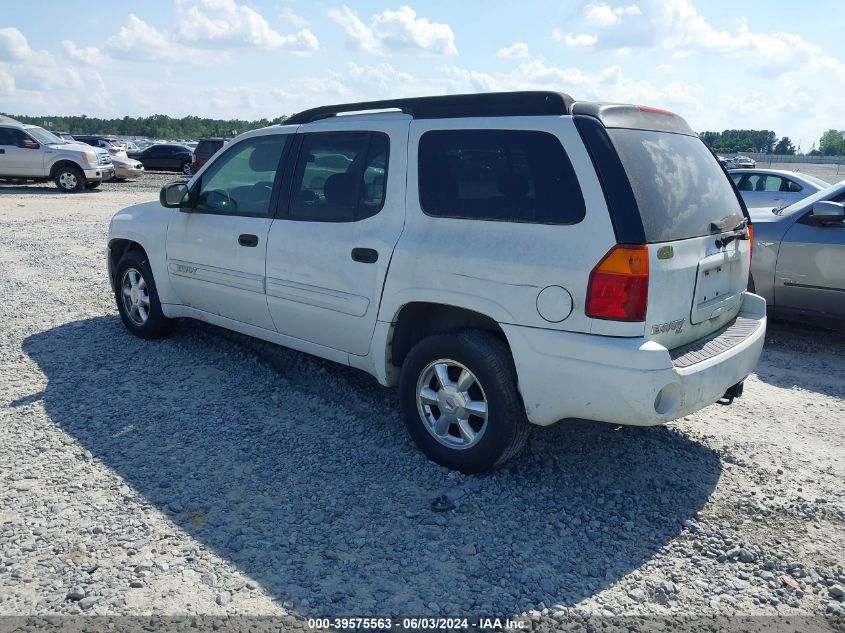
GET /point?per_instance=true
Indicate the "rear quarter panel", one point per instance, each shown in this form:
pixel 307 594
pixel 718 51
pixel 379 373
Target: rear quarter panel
pixel 499 268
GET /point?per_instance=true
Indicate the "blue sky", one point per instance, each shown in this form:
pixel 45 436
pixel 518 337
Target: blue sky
pixel 749 64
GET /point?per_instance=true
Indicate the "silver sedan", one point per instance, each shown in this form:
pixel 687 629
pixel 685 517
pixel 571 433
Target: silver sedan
pixel 773 187
pixel 798 262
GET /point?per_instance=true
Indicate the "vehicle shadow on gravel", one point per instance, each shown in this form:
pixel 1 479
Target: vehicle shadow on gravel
pixel 808 358
pixel 300 473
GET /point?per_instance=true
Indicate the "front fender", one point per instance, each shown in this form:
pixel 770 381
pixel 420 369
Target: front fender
pixel 146 224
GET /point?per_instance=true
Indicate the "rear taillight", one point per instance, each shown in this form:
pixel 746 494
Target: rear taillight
pixel 618 288
pixel 193 158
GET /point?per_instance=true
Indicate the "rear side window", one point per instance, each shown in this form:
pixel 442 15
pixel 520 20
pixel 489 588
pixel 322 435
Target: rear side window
pixel 339 177
pixel 504 175
pixel 680 188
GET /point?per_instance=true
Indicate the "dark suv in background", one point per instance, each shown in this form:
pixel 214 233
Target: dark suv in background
pixel 165 157
pixel 205 150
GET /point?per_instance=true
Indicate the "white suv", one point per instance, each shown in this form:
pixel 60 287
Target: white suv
pixel 506 259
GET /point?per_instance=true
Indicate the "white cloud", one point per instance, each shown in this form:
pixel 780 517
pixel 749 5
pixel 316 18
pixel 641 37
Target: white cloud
pixel 665 68
pixel 13 45
pixel 90 55
pixel 34 80
pixel 395 31
pixel 384 78
pixel 215 22
pixel 601 14
pixel 579 40
pixel 289 16
pixel 517 50
pixel 141 42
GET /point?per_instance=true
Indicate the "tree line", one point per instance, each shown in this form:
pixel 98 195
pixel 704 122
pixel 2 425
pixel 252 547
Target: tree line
pixel 155 126
pixel 831 143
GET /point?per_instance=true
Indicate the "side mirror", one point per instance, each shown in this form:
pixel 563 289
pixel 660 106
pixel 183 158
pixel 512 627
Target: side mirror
pixel 174 195
pixel 29 144
pixel 827 212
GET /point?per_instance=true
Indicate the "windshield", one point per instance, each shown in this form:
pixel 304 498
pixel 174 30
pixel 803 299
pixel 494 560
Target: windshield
pixel 834 193
pixel 43 136
pixel 681 189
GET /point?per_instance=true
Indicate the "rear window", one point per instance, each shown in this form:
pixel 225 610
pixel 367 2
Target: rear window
pixel 504 175
pixel 208 147
pixel 681 189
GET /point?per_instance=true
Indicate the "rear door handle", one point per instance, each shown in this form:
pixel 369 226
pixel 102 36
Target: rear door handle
pixel 247 239
pixel 365 255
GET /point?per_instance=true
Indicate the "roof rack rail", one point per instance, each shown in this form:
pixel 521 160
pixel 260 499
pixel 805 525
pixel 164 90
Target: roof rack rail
pixel 525 103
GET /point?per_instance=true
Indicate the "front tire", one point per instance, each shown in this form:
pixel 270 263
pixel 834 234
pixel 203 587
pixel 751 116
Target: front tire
pixel 137 297
pixel 69 179
pixel 460 403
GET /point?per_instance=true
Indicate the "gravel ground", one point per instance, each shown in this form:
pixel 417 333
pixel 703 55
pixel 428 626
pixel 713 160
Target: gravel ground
pixel 210 474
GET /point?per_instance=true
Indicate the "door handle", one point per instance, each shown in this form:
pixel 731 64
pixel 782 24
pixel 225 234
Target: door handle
pixel 2 151
pixel 247 239
pixel 365 255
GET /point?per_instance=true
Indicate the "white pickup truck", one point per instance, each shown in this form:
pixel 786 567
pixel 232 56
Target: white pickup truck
pixel 29 152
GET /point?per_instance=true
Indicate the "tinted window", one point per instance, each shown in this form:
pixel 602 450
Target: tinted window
pixel 10 136
pixel 508 175
pixel 240 182
pixel 208 147
pixel 339 177
pixel 681 190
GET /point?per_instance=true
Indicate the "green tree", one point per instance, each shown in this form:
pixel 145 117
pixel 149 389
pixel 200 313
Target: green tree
pixel 155 126
pixel 784 146
pixel 832 143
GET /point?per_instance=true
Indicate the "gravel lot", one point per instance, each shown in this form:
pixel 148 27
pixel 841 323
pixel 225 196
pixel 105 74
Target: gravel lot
pixel 210 474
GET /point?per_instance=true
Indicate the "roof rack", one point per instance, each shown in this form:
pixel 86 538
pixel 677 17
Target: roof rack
pixel 526 103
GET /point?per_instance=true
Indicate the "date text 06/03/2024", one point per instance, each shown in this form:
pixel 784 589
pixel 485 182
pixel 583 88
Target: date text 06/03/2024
pixel 434 624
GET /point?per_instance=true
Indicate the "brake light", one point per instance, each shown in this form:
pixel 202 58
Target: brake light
pixel 653 110
pixel 618 287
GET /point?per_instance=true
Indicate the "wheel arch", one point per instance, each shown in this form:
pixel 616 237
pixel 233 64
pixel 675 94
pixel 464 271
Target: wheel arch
pixel 118 247
pixel 417 320
pixel 64 162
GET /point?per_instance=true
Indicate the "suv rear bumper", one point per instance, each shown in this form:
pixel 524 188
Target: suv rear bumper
pixel 630 381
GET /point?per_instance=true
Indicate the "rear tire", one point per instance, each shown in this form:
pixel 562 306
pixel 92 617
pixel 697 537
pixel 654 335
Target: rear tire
pixel 69 179
pixel 137 298
pixel 186 168
pixel 443 420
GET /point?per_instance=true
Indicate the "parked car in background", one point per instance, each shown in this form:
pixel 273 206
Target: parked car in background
pixel 165 157
pixel 772 188
pixel 742 162
pixel 799 257
pixel 206 148
pixel 29 152
pixel 505 259
pixel 125 167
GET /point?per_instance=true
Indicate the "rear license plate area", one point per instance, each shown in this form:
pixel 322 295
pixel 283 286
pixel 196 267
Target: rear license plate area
pixel 718 286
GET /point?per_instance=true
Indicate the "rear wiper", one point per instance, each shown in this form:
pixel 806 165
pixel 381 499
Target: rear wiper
pixel 779 209
pixel 739 232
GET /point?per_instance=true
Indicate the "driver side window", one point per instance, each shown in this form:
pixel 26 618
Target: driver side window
pixel 240 182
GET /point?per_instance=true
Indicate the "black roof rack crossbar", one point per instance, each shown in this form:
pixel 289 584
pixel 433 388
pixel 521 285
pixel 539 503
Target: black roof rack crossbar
pixel 527 103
